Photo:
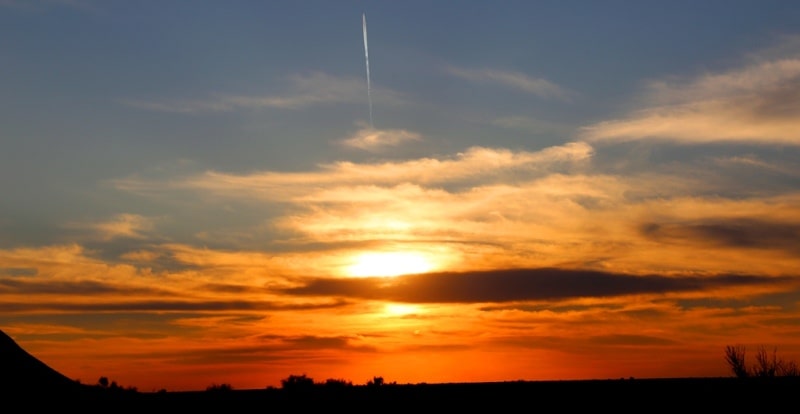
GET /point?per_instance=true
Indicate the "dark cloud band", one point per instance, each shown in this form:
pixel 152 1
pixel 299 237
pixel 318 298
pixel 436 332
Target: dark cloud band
pixel 510 285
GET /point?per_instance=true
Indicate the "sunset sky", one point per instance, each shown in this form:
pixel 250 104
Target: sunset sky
pixel 192 192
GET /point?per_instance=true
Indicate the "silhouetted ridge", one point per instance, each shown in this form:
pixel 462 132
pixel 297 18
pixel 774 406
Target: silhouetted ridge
pixel 21 371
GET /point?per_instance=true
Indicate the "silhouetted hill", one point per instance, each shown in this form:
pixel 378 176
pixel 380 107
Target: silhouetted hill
pixel 21 372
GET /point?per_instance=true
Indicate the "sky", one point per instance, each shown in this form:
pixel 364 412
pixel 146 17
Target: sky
pixel 205 192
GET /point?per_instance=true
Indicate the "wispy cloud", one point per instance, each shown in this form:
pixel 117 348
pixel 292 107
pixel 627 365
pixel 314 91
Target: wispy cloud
pixel 743 233
pixel 515 80
pixel 262 348
pixel 375 140
pixel 755 78
pixel 303 91
pixel 756 104
pixel 33 286
pixel 157 305
pixel 69 279
pixel 120 226
pixel 476 163
pixel 17 271
pixel 754 162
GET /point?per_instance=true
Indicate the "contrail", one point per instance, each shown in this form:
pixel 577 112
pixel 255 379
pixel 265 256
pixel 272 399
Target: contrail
pixel 366 57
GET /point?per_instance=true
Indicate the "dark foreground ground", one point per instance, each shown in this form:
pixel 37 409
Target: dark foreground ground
pixel 631 395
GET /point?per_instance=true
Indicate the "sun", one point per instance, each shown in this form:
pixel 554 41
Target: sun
pixel 387 264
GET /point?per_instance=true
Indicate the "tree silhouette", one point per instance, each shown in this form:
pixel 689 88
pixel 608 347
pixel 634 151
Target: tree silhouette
pixel 337 383
pixel 375 382
pixel 219 388
pixel 113 387
pixel 297 382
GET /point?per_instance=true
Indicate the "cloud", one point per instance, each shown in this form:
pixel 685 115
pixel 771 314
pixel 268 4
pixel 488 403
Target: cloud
pixel 513 285
pixel 495 207
pixel 265 348
pixel 121 226
pixel 370 139
pixel 476 163
pixel 629 340
pixel 757 104
pixel 315 342
pixel 518 81
pixel 17 271
pixel 755 78
pixel 163 306
pixel 67 279
pixel 756 163
pixel 304 90
pixel 143 256
pixel 410 211
pixel 45 286
pixel 748 233
pixel 33 257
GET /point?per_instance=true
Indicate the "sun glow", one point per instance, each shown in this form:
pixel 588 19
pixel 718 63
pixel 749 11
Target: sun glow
pixel 397 309
pixel 389 264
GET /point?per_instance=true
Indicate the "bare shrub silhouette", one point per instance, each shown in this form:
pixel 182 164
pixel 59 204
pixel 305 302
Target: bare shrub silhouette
pixel 735 357
pixel 767 365
pixel 789 369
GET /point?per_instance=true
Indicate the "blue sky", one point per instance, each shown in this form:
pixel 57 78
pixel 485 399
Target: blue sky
pixel 221 148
